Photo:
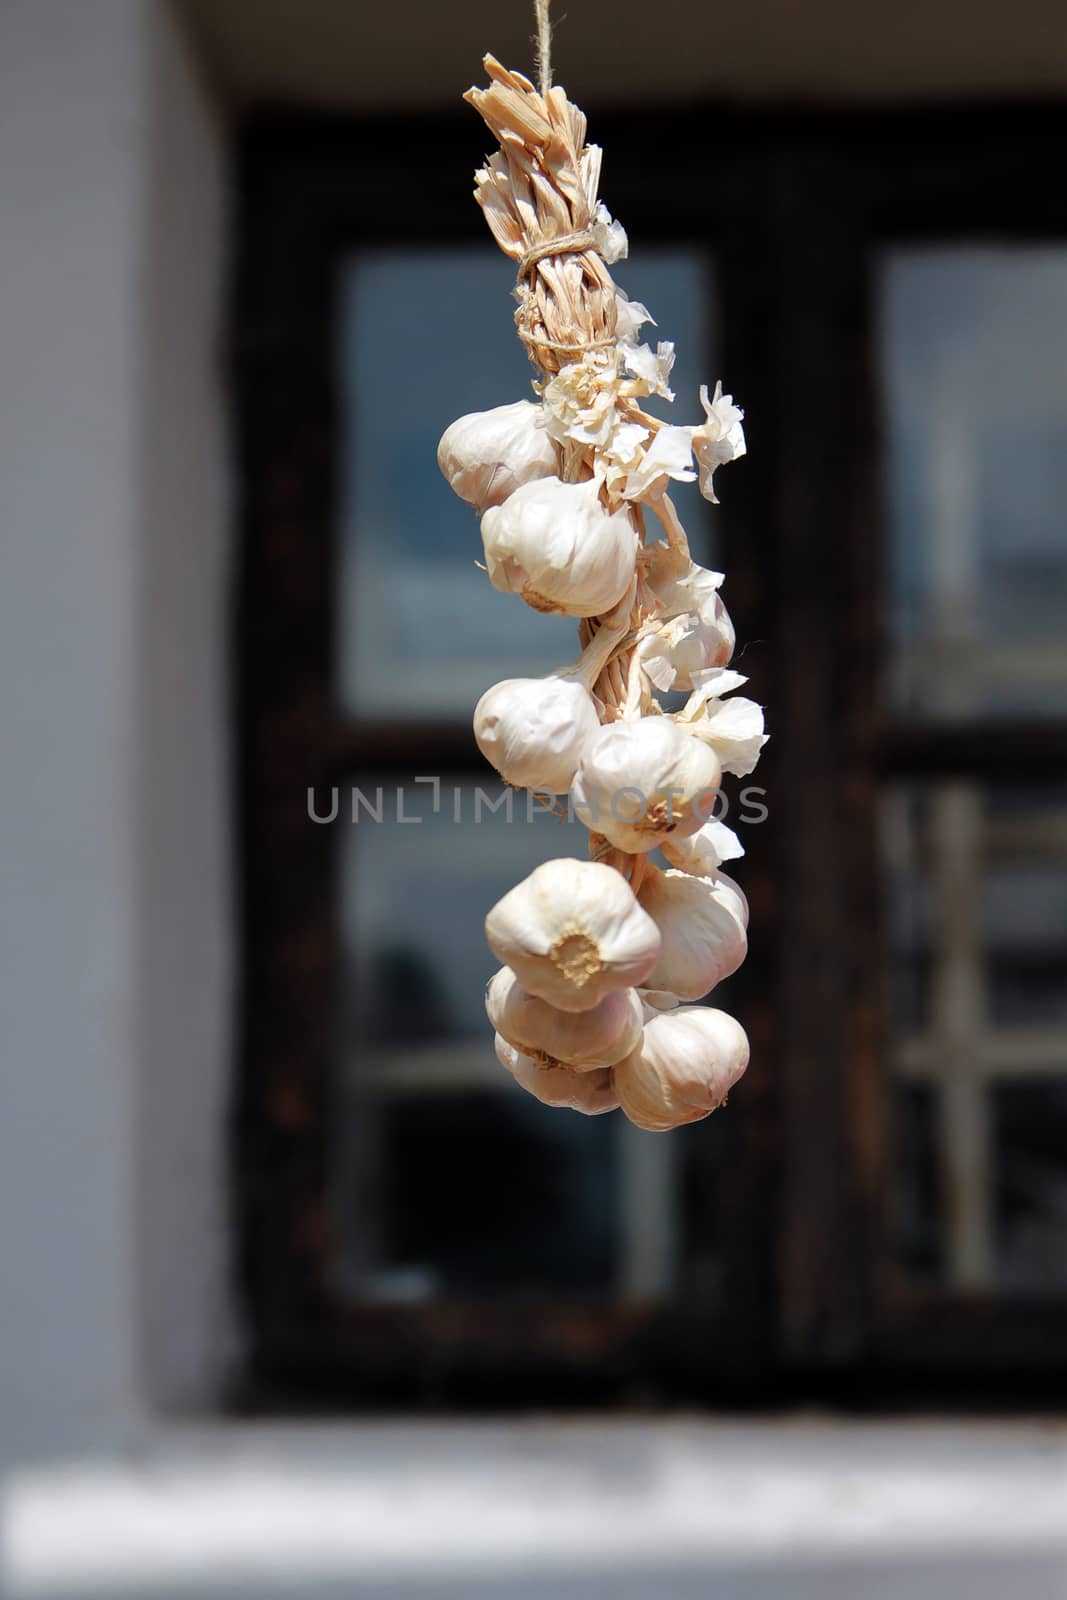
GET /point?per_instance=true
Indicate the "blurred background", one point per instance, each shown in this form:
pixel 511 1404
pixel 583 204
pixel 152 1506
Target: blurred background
pixel 262 1175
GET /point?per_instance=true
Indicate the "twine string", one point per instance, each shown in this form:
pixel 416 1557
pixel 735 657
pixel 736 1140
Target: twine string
pixel 544 45
pixel 566 244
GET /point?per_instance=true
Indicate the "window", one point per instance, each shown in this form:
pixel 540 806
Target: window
pixel 412 1228
pixel 975 383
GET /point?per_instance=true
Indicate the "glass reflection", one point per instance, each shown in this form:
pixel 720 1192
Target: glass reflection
pixel 975 361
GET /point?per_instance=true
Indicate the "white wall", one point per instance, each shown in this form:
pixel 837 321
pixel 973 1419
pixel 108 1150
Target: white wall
pixel 183 744
pixel 114 944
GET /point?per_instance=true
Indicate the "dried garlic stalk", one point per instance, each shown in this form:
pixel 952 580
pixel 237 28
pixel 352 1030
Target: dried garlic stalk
pixel 562 487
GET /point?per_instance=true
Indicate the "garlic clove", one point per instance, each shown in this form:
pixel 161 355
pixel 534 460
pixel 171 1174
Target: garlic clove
pixel 581 1040
pixel 658 999
pixel 686 1064
pixel 702 934
pixel 554 544
pixel 573 931
pixel 702 851
pixel 643 781
pixel 535 730
pixel 592 1093
pixel 707 641
pixel 730 890
pixel 487 455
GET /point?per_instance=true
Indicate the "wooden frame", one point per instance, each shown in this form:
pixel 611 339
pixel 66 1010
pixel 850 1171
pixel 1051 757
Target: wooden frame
pixel 794 213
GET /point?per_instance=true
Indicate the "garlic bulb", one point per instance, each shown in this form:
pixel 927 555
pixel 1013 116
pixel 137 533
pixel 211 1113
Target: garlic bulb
pixel 589 1092
pixel 644 781
pixel 571 932
pixel 702 936
pixel 535 730
pixel 580 1039
pixel 686 1064
pixel 702 851
pixel 487 455
pixel 554 544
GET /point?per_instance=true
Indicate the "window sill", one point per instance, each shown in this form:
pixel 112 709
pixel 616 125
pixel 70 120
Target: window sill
pixel 509 1510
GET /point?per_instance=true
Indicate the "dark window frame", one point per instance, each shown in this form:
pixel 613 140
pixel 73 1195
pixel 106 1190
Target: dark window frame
pixel 793 213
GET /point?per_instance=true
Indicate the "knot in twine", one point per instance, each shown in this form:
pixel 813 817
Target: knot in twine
pixel 567 244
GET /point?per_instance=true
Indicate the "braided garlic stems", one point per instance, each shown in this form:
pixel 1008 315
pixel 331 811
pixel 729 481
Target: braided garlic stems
pixel 562 487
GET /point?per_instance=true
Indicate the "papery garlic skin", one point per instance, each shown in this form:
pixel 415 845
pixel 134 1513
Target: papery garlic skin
pixel 691 588
pixel 673 653
pixel 535 730
pixel 732 727
pixel 609 235
pixel 702 852
pixel 669 456
pixel 702 935
pixel 702 634
pixel 686 1065
pixel 643 781
pixel 591 1093
pixel 581 1040
pixel 573 931
pixel 554 545
pixel 581 402
pixel 719 439
pixel 487 455
pixel 630 316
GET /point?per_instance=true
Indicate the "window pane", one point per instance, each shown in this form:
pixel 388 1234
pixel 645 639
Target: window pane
pixel 976 893
pixel 490 1194
pixel 975 365
pixel 426 336
pixel 1031 1188
pixel 916 1211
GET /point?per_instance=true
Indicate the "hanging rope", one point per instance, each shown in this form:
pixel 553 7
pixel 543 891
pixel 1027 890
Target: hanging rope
pixel 544 45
